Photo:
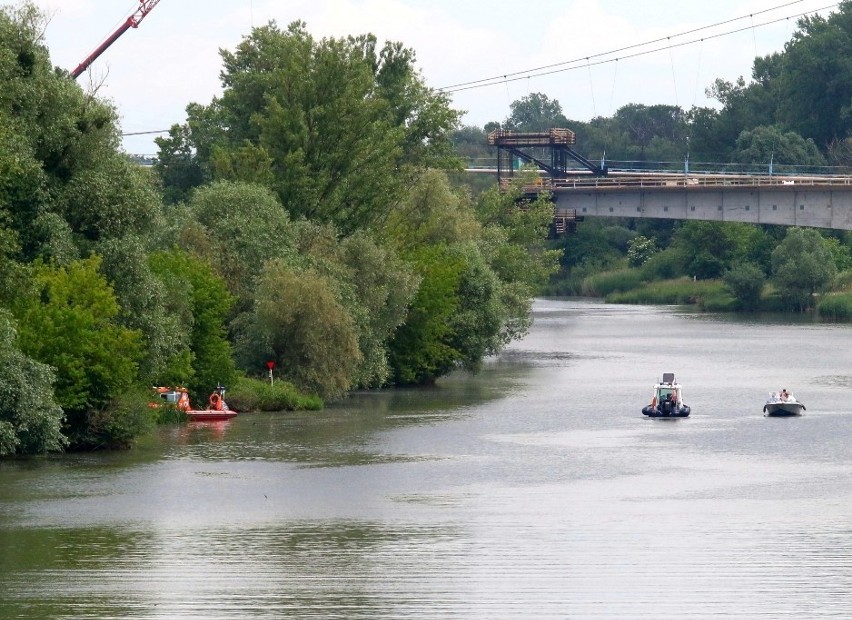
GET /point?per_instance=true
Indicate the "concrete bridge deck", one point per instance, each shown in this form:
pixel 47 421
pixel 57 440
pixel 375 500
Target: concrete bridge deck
pixel 584 188
pixel 814 201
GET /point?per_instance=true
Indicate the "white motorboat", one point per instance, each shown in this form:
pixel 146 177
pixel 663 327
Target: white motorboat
pixel 667 401
pixel 783 403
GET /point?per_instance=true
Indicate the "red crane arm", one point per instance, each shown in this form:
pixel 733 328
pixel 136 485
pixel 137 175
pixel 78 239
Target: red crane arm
pixel 145 7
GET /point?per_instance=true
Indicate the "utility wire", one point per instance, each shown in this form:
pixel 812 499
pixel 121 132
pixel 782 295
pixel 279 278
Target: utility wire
pixel 621 49
pixel 144 133
pixel 541 71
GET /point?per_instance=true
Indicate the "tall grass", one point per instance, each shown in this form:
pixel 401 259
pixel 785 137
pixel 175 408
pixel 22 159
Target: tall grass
pixel 167 413
pixel 633 286
pixel 605 283
pixel 843 281
pixel 836 307
pixel 680 291
pixel 257 395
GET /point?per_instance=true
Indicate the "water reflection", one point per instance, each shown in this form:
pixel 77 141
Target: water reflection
pixel 327 568
pixel 534 489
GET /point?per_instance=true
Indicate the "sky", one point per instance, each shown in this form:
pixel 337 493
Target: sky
pixel 600 54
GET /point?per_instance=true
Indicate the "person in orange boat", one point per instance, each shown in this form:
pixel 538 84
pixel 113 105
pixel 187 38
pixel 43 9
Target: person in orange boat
pixel 183 401
pixel 215 400
pixel 176 396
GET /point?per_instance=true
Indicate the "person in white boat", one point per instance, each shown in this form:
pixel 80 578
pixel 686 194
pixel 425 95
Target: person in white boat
pixel 785 395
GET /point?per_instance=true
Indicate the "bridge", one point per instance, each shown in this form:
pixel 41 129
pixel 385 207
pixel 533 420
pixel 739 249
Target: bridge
pixel 581 188
pixel 819 202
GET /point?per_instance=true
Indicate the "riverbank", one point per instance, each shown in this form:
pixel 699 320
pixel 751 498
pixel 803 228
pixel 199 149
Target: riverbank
pixel 627 286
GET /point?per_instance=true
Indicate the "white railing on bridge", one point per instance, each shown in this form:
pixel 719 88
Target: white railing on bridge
pixel 626 180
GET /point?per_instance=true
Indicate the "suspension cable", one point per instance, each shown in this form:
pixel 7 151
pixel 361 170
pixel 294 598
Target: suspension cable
pixel 552 68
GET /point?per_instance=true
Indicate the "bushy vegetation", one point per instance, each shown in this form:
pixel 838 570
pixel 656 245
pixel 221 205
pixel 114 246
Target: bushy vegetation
pixel 680 291
pixel 249 394
pixel 745 281
pixel 836 307
pixel 738 274
pixel 269 230
pixel 30 417
pixel 607 282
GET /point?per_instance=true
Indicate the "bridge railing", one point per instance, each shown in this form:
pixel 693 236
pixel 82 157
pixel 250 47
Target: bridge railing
pixel 687 167
pixel 696 167
pixel 658 180
pixel 695 181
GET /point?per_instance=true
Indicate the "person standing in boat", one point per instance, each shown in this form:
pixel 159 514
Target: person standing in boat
pixel 217 399
pixel 785 395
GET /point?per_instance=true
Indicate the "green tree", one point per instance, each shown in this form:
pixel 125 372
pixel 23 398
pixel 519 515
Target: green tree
pixel 63 179
pixel 478 266
pixel 802 266
pixel 471 143
pixel 482 323
pixel 474 264
pixel 745 106
pixel 707 142
pixel 56 241
pixel 199 298
pixel 12 273
pixel 422 350
pixel 762 145
pixel 457 317
pixel 298 322
pixel 841 250
pixel 839 152
pixel 710 248
pixel 145 308
pixel 21 178
pixel 69 321
pixel 371 282
pixel 639 250
pixel 30 418
pixel 816 82
pixel 432 213
pixel 588 249
pixel 745 281
pixel 337 127
pixel 513 244
pixel 237 228
pixel 535 112
pixel 657 131
pixel 177 166
pixel 664 265
pixel 111 199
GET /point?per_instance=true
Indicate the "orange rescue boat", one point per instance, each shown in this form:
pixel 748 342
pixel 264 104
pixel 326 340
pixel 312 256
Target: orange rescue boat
pixel 217 408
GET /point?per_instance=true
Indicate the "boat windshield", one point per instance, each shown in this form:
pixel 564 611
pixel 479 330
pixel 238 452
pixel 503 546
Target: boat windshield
pixel 170 397
pixel 666 393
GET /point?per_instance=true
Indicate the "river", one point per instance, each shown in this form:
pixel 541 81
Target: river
pixel 535 489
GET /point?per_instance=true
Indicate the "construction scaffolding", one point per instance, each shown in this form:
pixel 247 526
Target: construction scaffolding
pixel 516 147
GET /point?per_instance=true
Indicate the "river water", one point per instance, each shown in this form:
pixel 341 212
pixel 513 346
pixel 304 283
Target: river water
pixel 535 489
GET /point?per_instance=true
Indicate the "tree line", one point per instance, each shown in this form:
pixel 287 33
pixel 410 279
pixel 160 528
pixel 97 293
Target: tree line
pixel 302 218
pixel 793 115
pixel 310 216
